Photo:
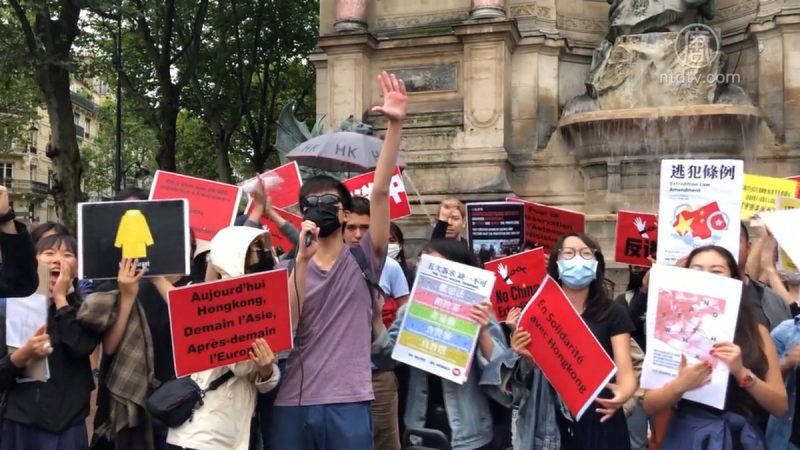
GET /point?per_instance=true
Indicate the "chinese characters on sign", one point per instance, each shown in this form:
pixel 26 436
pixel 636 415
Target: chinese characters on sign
pixel 637 238
pixel 760 193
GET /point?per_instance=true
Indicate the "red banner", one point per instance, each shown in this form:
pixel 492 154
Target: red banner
pixel 517 278
pixel 564 348
pixel 283 185
pixel 278 238
pixel 214 324
pixel 796 178
pixel 545 224
pixel 399 206
pixel 637 237
pixel 212 205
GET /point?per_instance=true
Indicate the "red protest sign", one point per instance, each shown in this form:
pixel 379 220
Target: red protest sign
pixel 399 207
pixel 545 224
pixel 796 178
pixel 517 278
pixel 282 184
pixel 214 324
pixel 565 349
pixel 637 236
pixel 278 238
pixel 212 205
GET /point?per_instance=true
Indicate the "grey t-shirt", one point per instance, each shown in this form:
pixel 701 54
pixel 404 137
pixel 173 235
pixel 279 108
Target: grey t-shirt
pixel 333 338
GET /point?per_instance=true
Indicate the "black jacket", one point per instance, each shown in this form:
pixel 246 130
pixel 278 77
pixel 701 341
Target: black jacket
pixel 63 400
pixel 18 277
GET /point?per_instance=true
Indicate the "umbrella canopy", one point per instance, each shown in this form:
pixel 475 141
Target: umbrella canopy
pixel 343 151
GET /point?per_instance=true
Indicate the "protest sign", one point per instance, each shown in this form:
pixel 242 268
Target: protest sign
pixel 278 238
pixel 637 237
pixel 784 261
pixel 564 348
pixel 282 184
pixel 517 278
pixel 700 204
pixel 438 334
pixel 783 226
pixel 155 232
pixel 399 207
pixel 214 324
pixel 495 229
pixel 687 312
pixel 759 193
pixel 212 205
pixel 23 317
pixel 797 179
pixel 545 224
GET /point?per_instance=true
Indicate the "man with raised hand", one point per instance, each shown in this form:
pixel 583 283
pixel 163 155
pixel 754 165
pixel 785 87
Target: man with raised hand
pixel 324 403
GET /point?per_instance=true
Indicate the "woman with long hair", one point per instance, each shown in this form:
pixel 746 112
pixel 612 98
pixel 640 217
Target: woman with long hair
pixel 755 387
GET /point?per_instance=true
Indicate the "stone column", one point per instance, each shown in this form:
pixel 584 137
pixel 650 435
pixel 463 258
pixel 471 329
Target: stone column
pixel 348 81
pixel 488 9
pixel 351 16
pixel 791 80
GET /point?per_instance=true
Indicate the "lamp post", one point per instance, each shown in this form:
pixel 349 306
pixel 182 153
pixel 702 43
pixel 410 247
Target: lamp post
pixel 32 137
pixel 118 131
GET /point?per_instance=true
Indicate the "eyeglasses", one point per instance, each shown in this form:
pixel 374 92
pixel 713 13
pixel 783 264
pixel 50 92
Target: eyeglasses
pixel 314 200
pixel 569 252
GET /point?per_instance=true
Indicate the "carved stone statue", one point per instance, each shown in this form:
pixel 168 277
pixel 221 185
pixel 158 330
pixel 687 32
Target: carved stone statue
pixel 647 16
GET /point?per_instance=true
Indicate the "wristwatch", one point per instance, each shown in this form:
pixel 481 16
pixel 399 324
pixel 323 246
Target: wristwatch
pixel 7 217
pixel 747 380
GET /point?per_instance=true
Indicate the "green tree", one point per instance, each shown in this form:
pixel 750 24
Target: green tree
pixel 19 95
pixel 195 147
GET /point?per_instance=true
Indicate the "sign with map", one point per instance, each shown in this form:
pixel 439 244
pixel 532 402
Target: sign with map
pixel 687 312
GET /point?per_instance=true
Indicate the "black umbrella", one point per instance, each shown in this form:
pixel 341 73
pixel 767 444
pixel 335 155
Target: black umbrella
pixel 343 151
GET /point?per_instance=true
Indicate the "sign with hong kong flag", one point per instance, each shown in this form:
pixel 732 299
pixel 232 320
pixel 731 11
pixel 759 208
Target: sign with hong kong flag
pixel 700 204
pixel 517 278
pixel 399 206
pixel 637 237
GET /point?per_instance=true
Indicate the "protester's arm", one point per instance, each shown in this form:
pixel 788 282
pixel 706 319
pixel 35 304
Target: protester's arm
pixel 78 340
pixel 13 366
pixel 163 286
pixel 128 280
pixel 440 229
pixel 626 383
pixel 770 273
pixel 769 393
pixel 754 264
pixel 288 230
pixel 18 278
pixel 297 279
pixel 689 378
pixel 395 102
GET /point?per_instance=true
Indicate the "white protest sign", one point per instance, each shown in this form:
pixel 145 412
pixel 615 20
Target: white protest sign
pixel 783 225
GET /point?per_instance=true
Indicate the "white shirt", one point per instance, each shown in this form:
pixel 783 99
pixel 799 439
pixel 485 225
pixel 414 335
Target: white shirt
pixel 393 280
pixel 223 422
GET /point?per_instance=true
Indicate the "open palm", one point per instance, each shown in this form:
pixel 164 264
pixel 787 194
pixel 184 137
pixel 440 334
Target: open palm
pixel 395 99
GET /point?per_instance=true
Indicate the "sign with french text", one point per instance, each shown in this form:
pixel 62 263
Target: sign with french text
pixel 214 324
pixel 399 206
pixel 545 224
pixel 438 334
pixel 564 348
pixel 517 278
pixel 637 238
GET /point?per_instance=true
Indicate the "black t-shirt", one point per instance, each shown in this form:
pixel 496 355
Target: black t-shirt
pixel 157 313
pixel 637 311
pixel 795 439
pixel 616 321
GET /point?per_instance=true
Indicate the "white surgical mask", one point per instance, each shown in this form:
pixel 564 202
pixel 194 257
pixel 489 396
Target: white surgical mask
pixel 393 251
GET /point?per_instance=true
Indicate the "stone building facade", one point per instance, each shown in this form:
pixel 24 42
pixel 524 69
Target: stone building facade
pixel 489 79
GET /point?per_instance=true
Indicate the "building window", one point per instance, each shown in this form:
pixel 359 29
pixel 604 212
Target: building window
pixel 77 116
pixel 33 172
pixel 6 171
pixel 50 178
pixel 88 129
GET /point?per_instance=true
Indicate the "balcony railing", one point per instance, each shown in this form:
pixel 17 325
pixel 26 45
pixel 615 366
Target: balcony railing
pixel 80 132
pixel 82 101
pixel 25 186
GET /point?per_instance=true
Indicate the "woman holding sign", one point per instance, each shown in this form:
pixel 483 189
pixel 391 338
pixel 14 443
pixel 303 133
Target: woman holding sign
pixel 578 264
pixel 48 380
pixel 755 388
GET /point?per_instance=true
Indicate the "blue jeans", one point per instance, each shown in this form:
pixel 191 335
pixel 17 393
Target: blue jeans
pixel 637 428
pixel 323 427
pixel 264 408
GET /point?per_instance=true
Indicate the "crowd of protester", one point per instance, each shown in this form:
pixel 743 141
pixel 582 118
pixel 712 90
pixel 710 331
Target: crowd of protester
pixel 108 344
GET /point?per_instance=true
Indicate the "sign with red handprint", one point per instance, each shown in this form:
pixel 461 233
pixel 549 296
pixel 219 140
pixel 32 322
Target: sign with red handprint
pixel 637 237
pixel 399 206
pixel 517 278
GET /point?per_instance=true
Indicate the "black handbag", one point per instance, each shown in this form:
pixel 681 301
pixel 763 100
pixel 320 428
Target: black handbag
pixel 174 402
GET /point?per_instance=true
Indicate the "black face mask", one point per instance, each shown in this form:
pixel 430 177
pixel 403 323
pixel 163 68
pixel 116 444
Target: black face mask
pixel 199 268
pixel 265 263
pixel 326 217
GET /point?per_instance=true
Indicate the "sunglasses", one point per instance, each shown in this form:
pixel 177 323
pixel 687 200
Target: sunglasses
pixel 314 200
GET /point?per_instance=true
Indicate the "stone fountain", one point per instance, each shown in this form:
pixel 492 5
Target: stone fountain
pixel 658 88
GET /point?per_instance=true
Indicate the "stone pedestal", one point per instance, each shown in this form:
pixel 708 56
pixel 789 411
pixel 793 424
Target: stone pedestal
pixel 488 9
pixel 348 76
pixel 351 16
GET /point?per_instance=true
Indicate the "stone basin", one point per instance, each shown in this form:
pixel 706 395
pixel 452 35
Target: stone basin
pixel 697 131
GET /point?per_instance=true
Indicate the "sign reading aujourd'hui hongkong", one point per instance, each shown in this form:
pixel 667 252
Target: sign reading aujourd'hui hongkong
pixel 214 324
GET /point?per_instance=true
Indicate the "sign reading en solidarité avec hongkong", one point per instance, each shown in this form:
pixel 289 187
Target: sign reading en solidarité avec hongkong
pixel 214 324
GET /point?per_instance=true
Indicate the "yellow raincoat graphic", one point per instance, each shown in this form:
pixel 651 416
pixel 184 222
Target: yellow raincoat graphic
pixel 133 235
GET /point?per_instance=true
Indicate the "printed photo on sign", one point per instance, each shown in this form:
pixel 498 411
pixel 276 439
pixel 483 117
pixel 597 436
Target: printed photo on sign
pixel 399 206
pixel 214 324
pixel 495 229
pixel 700 203
pixel 637 237
pixel 564 348
pixel 438 334
pixel 545 224
pixel 212 205
pixel 687 312
pixel 517 278
pixel 154 232
pixel 760 193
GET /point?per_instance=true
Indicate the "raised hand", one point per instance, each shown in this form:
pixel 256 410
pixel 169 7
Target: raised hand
pixel 520 341
pixel 482 313
pixel 263 357
pixel 395 99
pixel 641 226
pixel 5 204
pixel 128 278
pixel 731 355
pixel 306 253
pixel 66 275
pixel 512 319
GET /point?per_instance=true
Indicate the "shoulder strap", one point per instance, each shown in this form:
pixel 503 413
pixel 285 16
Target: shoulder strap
pixel 219 381
pixel 366 271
